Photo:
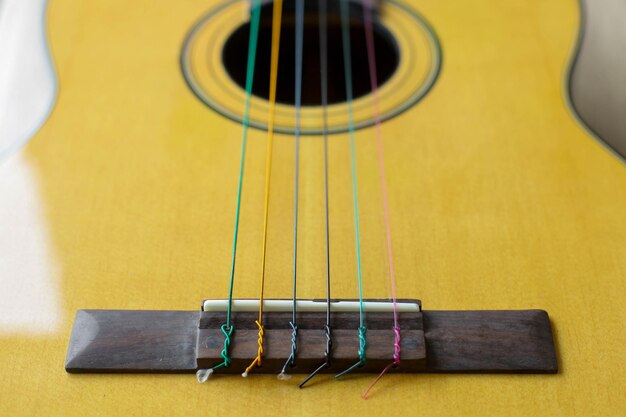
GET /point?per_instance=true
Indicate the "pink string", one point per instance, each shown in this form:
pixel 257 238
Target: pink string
pixel 371 58
pixel 367 391
pixel 396 362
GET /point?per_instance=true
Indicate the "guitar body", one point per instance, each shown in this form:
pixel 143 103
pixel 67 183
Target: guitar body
pixel 499 199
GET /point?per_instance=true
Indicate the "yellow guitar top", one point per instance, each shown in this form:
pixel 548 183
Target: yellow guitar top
pixel 499 199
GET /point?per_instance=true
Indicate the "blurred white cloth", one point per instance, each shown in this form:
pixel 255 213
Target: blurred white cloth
pixel 27 78
pixel 30 299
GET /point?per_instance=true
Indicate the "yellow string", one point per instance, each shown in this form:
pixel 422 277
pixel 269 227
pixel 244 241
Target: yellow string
pixel 276 21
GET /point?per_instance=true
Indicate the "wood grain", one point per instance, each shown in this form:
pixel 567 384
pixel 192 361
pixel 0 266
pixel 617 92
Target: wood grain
pixel 178 341
pixel 133 341
pixel 489 341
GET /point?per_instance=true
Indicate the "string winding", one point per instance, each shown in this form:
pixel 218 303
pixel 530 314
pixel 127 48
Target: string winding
pixel 361 352
pixel 224 353
pixel 292 356
pixel 260 351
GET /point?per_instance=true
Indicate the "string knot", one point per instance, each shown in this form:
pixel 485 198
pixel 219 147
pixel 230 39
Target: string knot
pixel 395 363
pixel 260 341
pixel 329 343
pixel 362 345
pixel 259 355
pixel 361 353
pixel 396 346
pixel 294 347
pixel 294 340
pixel 227 331
pixel 327 351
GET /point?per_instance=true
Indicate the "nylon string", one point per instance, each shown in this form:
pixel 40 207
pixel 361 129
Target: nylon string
pixel 371 58
pixel 227 328
pixel 347 63
pixel 276 22
pixel 299 33
pixel 323 39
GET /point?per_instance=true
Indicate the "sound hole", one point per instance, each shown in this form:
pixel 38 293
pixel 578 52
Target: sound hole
pixel 235 52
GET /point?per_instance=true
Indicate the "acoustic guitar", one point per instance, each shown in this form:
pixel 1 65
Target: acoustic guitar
pixel 377 153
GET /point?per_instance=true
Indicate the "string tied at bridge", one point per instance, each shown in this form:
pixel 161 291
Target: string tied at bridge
pixel 227 331
pixel 259 355
pixel 228 328
pixel 204 374
pixel 347 64
pixel 276 23
pixel 396 346
pixel 327 352
pixel 323 37
pixel 299 35
pixel 361 353
pixel 292 356
pixel 371 58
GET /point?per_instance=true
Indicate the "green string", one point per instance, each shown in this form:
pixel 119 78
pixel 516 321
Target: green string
pixel 227 328
pixel 345 37
pixel 227 331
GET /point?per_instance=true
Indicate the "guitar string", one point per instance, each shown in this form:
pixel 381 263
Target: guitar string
pixel 227 328
pixel 322 16
pixel 276 22
pixel 299 34
pixel 371 58
pixel 347 64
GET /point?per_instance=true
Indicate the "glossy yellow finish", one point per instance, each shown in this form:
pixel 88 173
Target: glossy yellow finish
pixel 499 200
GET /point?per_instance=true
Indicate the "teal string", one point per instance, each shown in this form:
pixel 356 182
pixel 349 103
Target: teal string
pixel 361 361
pixel 347 64
pixel 227 328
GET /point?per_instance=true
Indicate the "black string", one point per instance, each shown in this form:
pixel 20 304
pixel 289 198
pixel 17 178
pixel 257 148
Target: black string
pixel 298 90
pixel 324 87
